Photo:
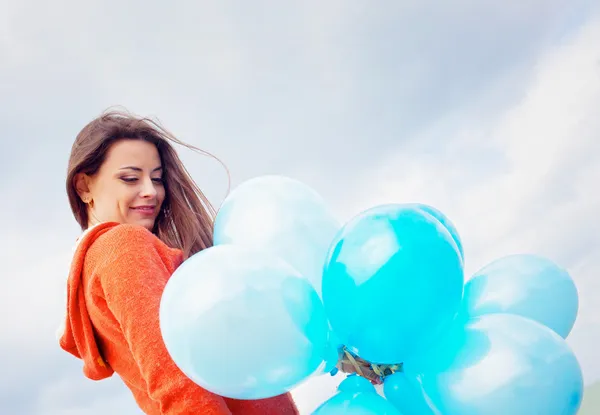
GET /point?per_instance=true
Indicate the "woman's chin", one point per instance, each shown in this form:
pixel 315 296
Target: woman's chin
pixel 146 223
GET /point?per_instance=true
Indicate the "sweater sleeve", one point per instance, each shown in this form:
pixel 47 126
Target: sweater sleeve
pixel 133 283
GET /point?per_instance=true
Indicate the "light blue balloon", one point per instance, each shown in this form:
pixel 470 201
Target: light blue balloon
pixel 242 323
pixel 407 395
pixel 393 282
pixel 355 384
pixel 281 216
pixel 332 353
pixel 526 285
pixel 444 220
pixel 355 397
pixel 500 364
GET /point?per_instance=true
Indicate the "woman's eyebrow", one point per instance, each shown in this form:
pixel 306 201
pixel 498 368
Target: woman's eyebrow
pixel 138 169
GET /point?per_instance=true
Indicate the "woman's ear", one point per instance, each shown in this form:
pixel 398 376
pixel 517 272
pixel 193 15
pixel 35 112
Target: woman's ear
pixel 82 186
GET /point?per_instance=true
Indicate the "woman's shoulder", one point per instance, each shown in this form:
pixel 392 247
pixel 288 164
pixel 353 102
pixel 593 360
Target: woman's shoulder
pixel 124 236
pixel 125 232
pixel 128 240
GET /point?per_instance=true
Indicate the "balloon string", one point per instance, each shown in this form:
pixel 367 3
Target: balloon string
pixel 376 373
pixel 353 362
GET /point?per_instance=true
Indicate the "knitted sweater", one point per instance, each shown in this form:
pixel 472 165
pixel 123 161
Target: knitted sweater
pixel 117 277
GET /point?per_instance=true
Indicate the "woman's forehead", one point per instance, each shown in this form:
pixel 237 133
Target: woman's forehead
pixel 133 153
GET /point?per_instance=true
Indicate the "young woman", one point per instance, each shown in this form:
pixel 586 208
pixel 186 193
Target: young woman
pixel 142 215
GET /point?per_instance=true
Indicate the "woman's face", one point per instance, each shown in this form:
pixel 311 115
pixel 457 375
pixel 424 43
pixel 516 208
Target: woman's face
pixel 128 187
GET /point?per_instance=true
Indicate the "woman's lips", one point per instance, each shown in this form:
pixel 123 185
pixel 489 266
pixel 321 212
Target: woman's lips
pixel 145 210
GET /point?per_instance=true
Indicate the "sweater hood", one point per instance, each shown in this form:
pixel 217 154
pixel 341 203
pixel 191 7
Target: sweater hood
pixel 76 334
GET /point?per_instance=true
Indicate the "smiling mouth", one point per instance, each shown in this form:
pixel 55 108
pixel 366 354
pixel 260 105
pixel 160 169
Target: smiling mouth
pixel 144 209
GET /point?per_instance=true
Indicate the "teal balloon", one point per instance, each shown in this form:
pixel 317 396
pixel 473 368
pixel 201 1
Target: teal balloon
pixel 407 395
pixel 356 384
pixel 355 397
pixel 527 285
pixel 500 364
pixel 392 283
pixel 243 324
pixel 444 220
pixel 332 353
pixel 281 216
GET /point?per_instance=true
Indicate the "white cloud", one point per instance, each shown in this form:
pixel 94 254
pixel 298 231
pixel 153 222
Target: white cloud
pixel 525 180
pixel 73 397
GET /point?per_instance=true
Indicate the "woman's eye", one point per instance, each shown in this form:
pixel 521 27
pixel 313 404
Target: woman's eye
pixel 135 179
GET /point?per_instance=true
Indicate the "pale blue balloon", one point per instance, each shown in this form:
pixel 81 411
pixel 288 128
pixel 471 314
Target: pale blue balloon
pixel 243 324
pixel 527 285
pixel 444 220
pixel 281 216
pixel 500 364
pixel 355 397
pixel 355 384
pixel 332 353
pixel 407 395
pixel 393 282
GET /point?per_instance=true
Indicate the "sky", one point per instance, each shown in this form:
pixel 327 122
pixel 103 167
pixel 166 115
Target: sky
pixel 486 110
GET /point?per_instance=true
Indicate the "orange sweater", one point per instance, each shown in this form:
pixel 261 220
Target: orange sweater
pixel 114 289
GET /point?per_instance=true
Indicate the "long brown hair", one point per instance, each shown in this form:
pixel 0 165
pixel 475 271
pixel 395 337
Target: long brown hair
pixel 186 217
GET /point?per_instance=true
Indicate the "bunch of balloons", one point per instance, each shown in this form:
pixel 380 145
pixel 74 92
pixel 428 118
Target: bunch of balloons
pixel 286 287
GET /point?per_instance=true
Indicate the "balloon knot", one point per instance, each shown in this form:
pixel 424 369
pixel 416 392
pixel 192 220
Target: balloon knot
pixel 351 363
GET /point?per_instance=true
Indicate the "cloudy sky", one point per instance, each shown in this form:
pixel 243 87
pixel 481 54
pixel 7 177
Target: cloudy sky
pixel 487 110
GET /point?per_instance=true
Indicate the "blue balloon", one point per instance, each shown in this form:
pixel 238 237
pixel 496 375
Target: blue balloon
pixel 332 353
pixel 281 216
pixel 446 222
pixel 500 364
pixel 407 395
pixel 393 283
pixel 355 397
pixel 525 285
pixel 242 323
pixel 355 384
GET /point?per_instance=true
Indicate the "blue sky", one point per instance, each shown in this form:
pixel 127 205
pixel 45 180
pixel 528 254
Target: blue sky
pixel 488 111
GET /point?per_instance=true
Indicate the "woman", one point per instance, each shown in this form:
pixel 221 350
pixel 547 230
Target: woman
pixel 142 215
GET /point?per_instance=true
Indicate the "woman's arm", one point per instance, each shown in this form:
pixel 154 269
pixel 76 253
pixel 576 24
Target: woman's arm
pixel 133 282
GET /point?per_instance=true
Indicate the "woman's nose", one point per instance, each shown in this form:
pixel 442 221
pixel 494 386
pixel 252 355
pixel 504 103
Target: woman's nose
pixel 148 188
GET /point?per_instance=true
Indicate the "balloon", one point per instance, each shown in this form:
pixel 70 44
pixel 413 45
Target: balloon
pixel 526 285
pixel 356 384
pixel 500 364
pixel 407 395
pixel 444 221
pixel 281 216
pixel 393 281
pixel 332 353
pixel 356 396
pixel 242 323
